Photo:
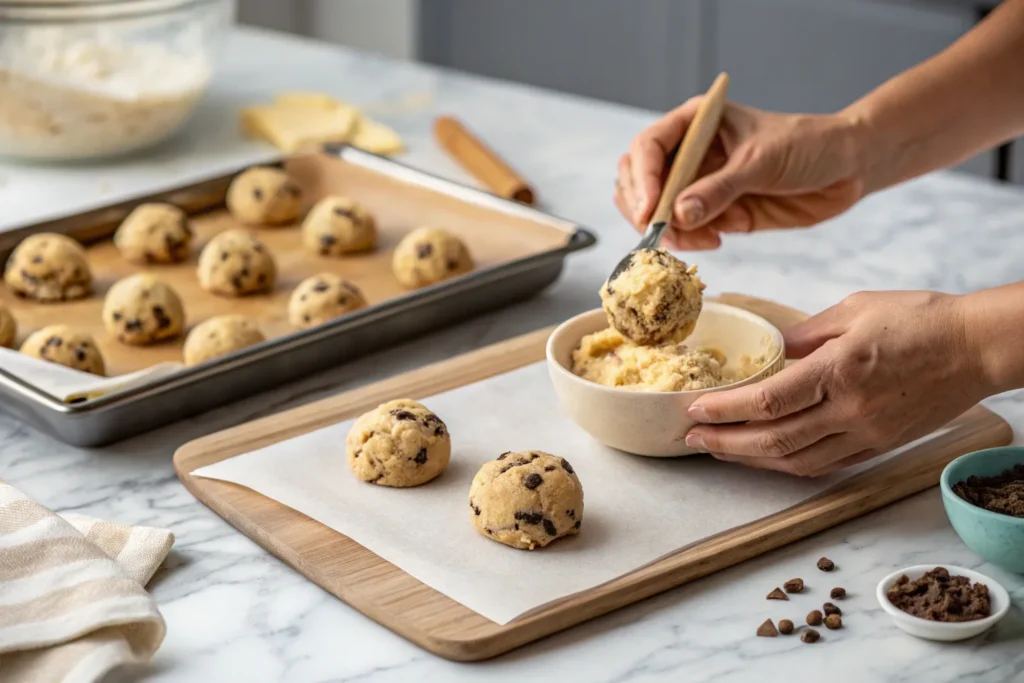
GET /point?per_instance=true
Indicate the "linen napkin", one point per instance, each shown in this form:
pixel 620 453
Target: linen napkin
pixel 72 602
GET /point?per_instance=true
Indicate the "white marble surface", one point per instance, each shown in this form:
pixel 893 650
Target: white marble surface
pixel 236 613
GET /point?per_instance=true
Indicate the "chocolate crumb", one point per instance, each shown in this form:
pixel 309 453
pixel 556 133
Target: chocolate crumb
pixel 794 585
pixel 785 627
pixel 810 636
pixel 940 596
pixel 767 629
pixel 1002 494
pixel 838 593
pixel 826 565
pixel 777 594
pixel 814 618
pixel 833 621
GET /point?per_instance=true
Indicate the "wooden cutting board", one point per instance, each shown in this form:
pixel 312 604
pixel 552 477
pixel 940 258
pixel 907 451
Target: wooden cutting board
pixel 433 621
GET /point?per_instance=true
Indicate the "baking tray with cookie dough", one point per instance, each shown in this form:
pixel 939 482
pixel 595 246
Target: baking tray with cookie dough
pixel 512 252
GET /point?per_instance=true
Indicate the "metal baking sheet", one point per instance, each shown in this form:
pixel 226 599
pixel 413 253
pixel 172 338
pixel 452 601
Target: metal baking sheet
pixel 277 361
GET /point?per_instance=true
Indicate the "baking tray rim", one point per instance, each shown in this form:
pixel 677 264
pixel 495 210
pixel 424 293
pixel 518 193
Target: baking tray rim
pixel 579 238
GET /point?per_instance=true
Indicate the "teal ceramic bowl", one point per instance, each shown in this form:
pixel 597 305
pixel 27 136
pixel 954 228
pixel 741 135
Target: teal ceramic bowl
pixel 995 537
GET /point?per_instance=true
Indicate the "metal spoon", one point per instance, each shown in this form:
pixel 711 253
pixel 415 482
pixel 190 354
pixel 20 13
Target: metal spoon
pixel 699 135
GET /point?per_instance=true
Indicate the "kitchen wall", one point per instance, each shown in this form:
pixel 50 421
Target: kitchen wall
pixel 787 55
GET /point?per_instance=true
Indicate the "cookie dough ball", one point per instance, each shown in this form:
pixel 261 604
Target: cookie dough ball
pixel 67 346
pixel 400 443
pixel 49 267
pixel 8 328
pixel 220 336
pixel 141 309
pixel 526 499
pixel 338 226
pixel 321 298
pixel 154 233
pixel 656 300
pixel 427 256
pixel 235 263
pixel 264 196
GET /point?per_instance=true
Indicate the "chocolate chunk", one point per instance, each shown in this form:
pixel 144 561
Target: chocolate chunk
pixel 826 565
pixel 132 325
pixel 567 467
pixel 421 457
pixel 549 527
pixel 828 608
pixel 777 594
pixel 810 636
pixel 321 287
pixel 814 618
pixel 550 468
pixel 424 251
pixel 794 585
pixel 767 630
pixel 785 627
pixel 577 524
pixel 529 517
pixel 504 455
pixel 532 480
pixel 833 621
pixel 257 193
pixel 838 593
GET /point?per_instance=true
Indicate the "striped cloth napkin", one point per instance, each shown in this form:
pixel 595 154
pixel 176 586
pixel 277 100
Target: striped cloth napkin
pixel 72 602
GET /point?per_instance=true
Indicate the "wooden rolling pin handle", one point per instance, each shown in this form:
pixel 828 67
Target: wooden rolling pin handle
pixel 481 161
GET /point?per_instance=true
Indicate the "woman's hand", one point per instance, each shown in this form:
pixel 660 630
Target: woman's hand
pixel 764 170
pixel 877 371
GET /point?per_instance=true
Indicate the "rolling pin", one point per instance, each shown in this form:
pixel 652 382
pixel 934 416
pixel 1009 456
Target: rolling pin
pixel 481 161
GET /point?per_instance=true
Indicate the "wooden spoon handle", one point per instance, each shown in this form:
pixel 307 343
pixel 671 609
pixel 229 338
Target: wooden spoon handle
pixel 699 136
pixel 481 161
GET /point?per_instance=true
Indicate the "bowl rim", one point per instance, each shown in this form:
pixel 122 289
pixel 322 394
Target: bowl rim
pixel 652 395
pixel 948 494
pixel 996 590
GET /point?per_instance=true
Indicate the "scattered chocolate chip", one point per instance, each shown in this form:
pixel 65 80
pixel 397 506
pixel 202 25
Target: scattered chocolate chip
pixel 810 636
pixel 421 457
pixel 577 524
pixel 794 585
pixel 838 593
pixel 777 594
pixel 767 630
pixel 549 527
pixel 424 251
pixel 829 608
pixel 529 517
pixel 785 627
pixel 814 618
pixel 532 480
pixel 826 565
pixel 550 468
pixel 504 455
pixel 567 467
pixel 257 193
pixel 403 414
pixel 833 621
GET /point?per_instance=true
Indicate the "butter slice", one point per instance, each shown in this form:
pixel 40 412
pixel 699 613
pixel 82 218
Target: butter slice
pixel 299 98
pixel 291 128
pixel 376 138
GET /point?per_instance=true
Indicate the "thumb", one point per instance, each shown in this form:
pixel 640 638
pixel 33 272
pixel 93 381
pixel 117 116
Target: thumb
pixel 708 197
pixel 808 336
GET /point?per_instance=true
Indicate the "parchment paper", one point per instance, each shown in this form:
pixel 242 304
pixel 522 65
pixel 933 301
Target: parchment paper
pixel 637 509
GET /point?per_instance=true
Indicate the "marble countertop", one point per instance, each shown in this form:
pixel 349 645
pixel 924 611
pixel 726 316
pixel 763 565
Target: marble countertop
pixel 236 613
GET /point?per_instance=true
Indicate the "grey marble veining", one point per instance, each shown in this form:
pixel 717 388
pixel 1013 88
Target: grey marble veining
pixel 236 613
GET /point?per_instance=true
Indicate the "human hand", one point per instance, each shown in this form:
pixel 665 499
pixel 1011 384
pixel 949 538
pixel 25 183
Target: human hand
pixel 764 170
pixel 876 371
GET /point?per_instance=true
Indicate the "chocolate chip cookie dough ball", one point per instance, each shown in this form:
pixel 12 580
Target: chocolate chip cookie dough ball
pixel 526 499
pixel 427 256
pixel 154 233
pixel 220 336
pixel 8 328
pixel 67 346
pixel 49 267
pixel 264 196
pixel 337 226
pixel 235 263
pixel 321 298
pixel 400 444
pixel 141 309
pixel 656 300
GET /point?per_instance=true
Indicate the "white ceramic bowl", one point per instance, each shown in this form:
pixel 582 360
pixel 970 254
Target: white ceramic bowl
pixel 938 630
pixel 654 423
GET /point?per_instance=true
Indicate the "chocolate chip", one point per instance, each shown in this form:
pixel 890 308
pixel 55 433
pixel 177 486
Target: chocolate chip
pixel 785 627
pixel 116 316
pixel 236 282
pixel 504 455
pixel 550 468
pixel 327 240
pixel 376 479
pixel 162 321
pixel 424 250
pixel 28 277
pixel 826 565
pixel 476 510
pixel 244 272
pixel 534 456
pixel 257 193
pixel 306 318
pixel 570 513
pixel 767 630
pixel 549 527
pixel 80 355
pixel 577 524
pixel 838 593
pixel 224 256
pixel 529 517
pixel 344 213
pixel 343 300
pixel 777 594
pixel 292 189
pixel 37 259
pixel 814 618
pixel 403 414
pixel 829 608
pixel 833 621
pixel 532 480
pixel 55 341
pixel 514 463
pixel 794 585
pixel 261 279
pixel 421 457
pixel 132 325
pixel 609 290
pixel 567 467
pixel 452 265
pixel 810 636
pixel 321 287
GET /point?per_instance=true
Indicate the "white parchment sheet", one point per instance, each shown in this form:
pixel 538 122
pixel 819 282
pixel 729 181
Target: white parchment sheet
pixel 637 509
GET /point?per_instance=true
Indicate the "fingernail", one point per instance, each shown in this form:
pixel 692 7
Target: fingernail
pixel 698 413
pixel 690 210
pixel 695 441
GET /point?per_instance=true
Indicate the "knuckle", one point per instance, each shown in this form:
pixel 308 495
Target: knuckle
pixel 767 403
pixel 775 444
pixel 801 468
pixel 856 301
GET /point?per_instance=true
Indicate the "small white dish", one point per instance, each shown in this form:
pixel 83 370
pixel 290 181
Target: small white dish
pixel 939 630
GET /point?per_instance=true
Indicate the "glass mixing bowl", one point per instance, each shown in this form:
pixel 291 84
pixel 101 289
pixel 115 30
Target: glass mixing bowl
pixel 82 79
